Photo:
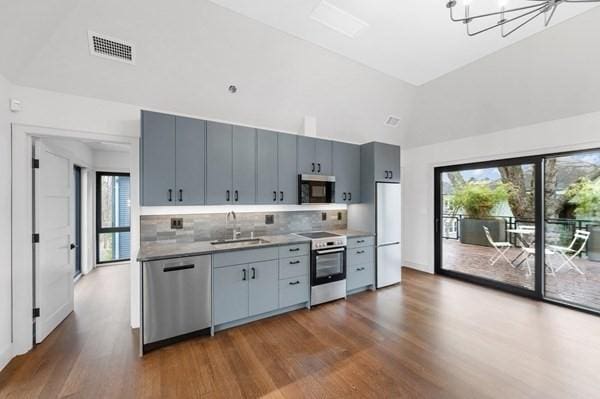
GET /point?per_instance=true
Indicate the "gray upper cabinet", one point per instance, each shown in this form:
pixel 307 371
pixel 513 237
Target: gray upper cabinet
pixel 190 142
pixel 387 162
pixel 314 156
pixel 157 159
pixel 306 155
pixel 346 168
pixel 267 188
pixel 276 176
pixel 287 169
pixel 244 165
pixel 219 163
pixel 323 153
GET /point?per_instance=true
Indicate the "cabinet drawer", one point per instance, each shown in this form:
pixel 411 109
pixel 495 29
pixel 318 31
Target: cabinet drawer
pixel 293 267
pixel 289 251
pixel 293 291
pixel 246 256
pixel 356 242
pixel 359 276
pixel 360 256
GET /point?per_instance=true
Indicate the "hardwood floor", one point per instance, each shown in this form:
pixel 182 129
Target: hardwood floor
pixel 431 337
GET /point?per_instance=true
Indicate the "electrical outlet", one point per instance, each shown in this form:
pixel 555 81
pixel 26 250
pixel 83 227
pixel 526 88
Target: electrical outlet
pixel 176 223
pixel 269 219
pixel 339 215
pixel 323 215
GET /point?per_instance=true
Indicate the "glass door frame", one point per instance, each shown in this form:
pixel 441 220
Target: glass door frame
pixel 540 222
pixel 103 230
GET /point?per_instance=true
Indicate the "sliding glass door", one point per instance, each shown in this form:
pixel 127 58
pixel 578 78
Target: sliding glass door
pixel 112 217
pixel 488 223
pixel 572 229
pixel 526 225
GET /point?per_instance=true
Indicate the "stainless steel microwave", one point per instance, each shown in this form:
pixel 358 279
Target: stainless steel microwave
pixel 316 189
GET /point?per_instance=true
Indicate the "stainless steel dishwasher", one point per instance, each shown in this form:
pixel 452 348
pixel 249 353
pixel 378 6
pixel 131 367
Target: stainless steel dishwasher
pixel 176 299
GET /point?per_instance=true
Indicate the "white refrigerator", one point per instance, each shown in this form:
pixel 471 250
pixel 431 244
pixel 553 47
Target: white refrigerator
pixel 389 228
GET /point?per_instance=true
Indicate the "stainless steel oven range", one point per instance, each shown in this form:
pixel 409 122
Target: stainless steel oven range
pixel 327 266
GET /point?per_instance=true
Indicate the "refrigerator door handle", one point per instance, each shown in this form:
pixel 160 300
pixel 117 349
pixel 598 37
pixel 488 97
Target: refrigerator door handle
pixel 387 244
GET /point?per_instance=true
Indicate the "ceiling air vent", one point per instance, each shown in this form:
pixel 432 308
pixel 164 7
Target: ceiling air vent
pixel 392 121
pixel 111 48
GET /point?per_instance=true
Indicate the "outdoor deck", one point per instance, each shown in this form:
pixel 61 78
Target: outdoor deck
pixel 567 285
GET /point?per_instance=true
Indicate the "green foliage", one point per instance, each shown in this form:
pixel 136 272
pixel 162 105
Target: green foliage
pixel 478 199
pixel 584 194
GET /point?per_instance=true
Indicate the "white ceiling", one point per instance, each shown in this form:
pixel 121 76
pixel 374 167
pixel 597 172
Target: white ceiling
pixel 412 40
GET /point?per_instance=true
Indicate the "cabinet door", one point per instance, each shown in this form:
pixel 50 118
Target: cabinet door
pixel 353 165
pixel 266 172
pixel 158 159
pixel 387 162
pixel 230 293
pixel 287 169
pixel 341 154
pixel 307 163
pixel 190 142
pixel 264 287
pixel 244 165
pixel 323 151
pixel 219 163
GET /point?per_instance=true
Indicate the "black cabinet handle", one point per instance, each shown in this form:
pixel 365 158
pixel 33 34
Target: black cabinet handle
pixel 360 241
pixel 349 196
pixel 386 174
pixel 281 196
pixel 294 262
pixel 237 196
pixel 245 277
pixel 274 195
pixel 319 168
pixel 294 282
pixel 344 196
pixel 391 174
pixel 360 269
pixel 253 274
pixel 360 252
pixel 294 249
pixel 170 195
pixel 313 166
pixel 227 196
pixel 180 195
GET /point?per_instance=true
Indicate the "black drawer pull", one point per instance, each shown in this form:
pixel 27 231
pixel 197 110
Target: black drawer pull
pixel 294 249
pixel 177 268
pixel 294 262
pixel 294 282
pixel 360 241
pixel 360 252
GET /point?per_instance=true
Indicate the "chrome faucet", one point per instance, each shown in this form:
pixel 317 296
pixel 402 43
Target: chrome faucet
pixel 236 233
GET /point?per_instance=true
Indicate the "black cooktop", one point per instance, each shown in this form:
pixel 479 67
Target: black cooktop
pixel 318 234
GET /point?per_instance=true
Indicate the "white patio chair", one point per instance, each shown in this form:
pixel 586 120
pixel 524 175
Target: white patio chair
pixel 569 253
pixel 501 248
pixel 530 251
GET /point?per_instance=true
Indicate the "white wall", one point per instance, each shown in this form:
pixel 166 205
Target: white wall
pixel 5 226
pixel 111 161
pixel 418 163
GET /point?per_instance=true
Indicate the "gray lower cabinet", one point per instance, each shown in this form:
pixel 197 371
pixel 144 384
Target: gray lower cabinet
pixel 263 292
pixel 360 272
pixel 190 150
pixel 346 168
pixel 219 163
pixel 157 159
pixel 230 293
pixel 314 156
pixel 293 291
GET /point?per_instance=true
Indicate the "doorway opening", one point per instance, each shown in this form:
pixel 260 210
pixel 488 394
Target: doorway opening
pixel 77 220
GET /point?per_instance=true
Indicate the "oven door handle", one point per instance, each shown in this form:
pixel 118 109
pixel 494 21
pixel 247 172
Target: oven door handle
pixel 331 251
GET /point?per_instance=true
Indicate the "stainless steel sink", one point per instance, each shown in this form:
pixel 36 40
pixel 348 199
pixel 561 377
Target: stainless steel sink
pixel 241 242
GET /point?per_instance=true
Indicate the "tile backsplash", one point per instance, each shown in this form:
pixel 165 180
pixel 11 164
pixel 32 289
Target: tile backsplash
pixel 211 226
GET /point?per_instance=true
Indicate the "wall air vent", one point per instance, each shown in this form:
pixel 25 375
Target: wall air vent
pixel 392 121
pixel 111 48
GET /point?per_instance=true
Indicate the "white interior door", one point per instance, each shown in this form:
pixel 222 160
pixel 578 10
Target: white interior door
pixel 53 256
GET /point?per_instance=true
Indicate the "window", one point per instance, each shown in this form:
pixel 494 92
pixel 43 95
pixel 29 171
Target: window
pixel 112 217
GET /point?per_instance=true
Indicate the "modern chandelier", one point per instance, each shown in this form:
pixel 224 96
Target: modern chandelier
pixel 510 19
